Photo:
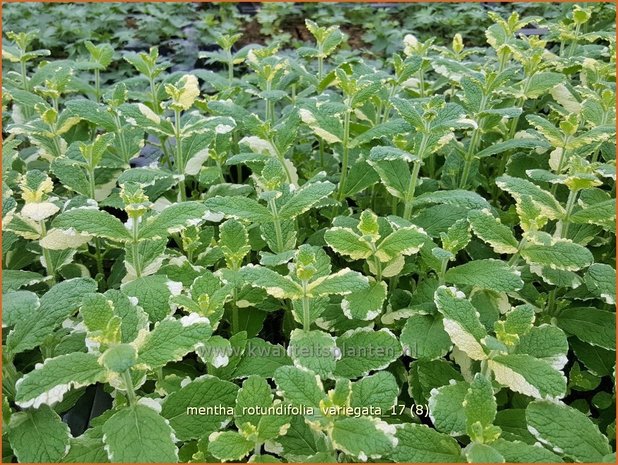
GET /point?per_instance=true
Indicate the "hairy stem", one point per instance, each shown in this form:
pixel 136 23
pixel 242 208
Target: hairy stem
pixel 409 197
pixel 179 162
pixel 306 308
pixel 278 233
pixel 344 158
pixel 128 383
pixel 49 264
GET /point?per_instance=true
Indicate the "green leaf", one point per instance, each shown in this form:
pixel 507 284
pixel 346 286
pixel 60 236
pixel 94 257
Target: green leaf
pixel 49 382
pixel 403 241
pixel 364 437
pixel 378 390
pixel 517 451
pixel 546 202
pixel 234 242
pixel 300 387
pixel 446 406
pixel 394 174
pixel 313 350
pixel 567 431
pixel 512 144
pixel 119 357
pixel 600 280
pixel 539 83
pixel 360 177
pixel 527 375
pixel 457 197
pixel 56 305
pixel 423 336
pixel 18 306
pixel 345 241
pixel 139 434
pixel 461 321
pixel 343 282
pixel 92 112
pixel 280 287
pixel 200 407
pixel 240 208
pixel 491 230
pixel 15 279
pixel 363 350
pixel 600 213
pixel 479 405
pixel 255 392
pixel 94 222
pixel 477 452
pixel 545 342
pixel 38 436
pixel 421 444
pixel 153 294
pixel 229 446
pixel 494 275
pixel 306 198
pixel 171 339
pixel 560 254
pixel 172 219
pixel 365 304
pixel 596 327
pixel 262 358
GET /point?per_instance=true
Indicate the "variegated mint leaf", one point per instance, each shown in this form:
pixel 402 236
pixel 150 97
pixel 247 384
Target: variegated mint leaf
pixel 171 339
pixel 139 433
pixel 50 381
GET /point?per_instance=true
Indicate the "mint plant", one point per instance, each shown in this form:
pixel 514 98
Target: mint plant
pixel 304 250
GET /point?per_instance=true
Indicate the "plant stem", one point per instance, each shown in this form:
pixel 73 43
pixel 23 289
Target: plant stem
pixel 306 307
pixel 155 100
pixel 421 82
pixel 24 75
pixel 278 233
pixel 574 42
pixel 474 141
pixel 179 162
pixel 281 158
pixel 97 241
pixel 137 264
pixel 409 197
pixel 562 228
pixel 344 159
pixel 128 383
pixel 97 84
pixel 49 264
pixel 230 71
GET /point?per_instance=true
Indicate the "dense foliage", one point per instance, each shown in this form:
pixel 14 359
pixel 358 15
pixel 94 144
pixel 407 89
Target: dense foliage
pixel 305 253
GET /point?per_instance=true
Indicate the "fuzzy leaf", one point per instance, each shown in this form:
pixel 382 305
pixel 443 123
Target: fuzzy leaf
pixel 152 440
pixel 364 350
pixel 528 375
pixel 403 241
pixel 241 208
pixel 280 287
pixel 306 198
pixel 171 339
pixel 421 444
pixel 94 222
pixel 48 382
pixel 490 230
pixel 207 392
pixel 567 430
pixel 174 218
pixel 494 275
pixel 39 436
pixel 461 321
